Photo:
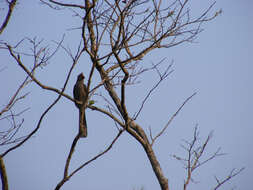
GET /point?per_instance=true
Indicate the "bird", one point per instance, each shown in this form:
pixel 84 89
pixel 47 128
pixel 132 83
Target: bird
pixel 80 93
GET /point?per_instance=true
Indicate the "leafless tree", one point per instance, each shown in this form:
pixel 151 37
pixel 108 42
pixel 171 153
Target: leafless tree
pixel 116 36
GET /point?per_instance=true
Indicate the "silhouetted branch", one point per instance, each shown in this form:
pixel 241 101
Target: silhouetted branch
pixel 14 98
pixel 60 92
pixel 117 35
pixel 194 159
pixel 231 175
pixel 19 62
pixel 109 114
pixel 66 178
pixel 162 76
pixel 70 155
pixel 11 7
pixel 153 139
pixel 62 4
pixel 8 136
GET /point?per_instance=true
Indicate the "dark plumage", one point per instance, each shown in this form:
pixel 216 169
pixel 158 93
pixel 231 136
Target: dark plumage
pixel 81 94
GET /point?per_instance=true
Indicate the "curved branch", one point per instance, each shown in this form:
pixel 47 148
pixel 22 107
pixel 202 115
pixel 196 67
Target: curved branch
pixel 17 58
pixel 106 113
pixel 63 4
pixel 35 130
pixel 8 16
pixel 48 109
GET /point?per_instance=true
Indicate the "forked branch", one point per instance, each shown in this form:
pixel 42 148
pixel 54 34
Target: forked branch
pixel 19 62
pixel 67 177
pixel 231 175
pixel 59 92
pixel 195 159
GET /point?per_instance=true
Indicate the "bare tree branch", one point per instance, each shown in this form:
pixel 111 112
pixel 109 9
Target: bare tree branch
pixel 60 92
pixel 194 159
pixel 11 7
pixel 170 120
pixel 14 98
pixel 62 4
pixel 67 177
pixel 231 175
pixel 161 78
pixel 116 35
pixel 19 62
pixel 108 114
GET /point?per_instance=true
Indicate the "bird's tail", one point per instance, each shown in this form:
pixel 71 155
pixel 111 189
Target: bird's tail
pixel 82 123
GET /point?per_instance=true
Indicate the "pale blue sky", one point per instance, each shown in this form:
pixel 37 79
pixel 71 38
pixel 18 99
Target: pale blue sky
pixel 218 67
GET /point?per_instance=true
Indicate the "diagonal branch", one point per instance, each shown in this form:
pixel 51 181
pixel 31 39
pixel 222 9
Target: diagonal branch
pixel 66 178
pixel 107 113
pixel 162 77
pixel 72 149
pixel 50 107
pixel 14 97
pixel 232 174
pixel 8 16
pixel 19 62
pixel 35 130
pixel 171 119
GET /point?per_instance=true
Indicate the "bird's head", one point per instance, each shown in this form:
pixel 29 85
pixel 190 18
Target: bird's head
pixel 80 77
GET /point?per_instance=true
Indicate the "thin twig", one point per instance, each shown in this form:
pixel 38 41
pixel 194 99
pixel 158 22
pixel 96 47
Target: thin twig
pixel 231 175
pixel 18 60
pixel 161 79
pixel 171 119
